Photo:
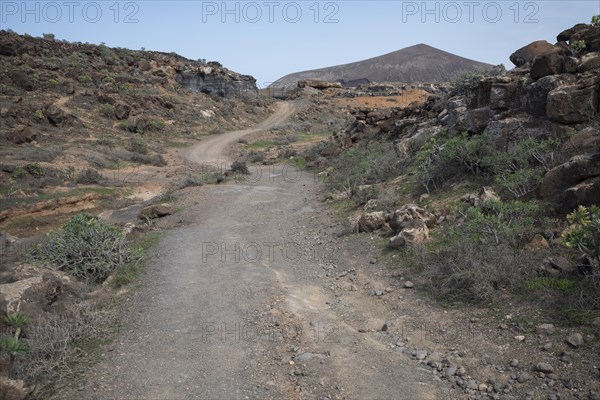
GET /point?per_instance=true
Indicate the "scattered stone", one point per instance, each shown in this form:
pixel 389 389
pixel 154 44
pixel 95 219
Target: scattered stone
pixel 451 371
pixel 514 363
pixel 421 354
pixel 387 325
pixel 376 292
pixel 545 329
pixel 523 377
pixel 568 382
pixel 503 327
pixel 575 339
pixel 547 346
pixel 520 338
pixel 565 357
pixel 409 284
pixel 544 367
pixel 537 243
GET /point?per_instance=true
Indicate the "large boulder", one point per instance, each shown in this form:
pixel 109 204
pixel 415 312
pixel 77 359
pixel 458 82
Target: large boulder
pixel 156 211
pixel 477 119
pixel 414 232
pixel 482 198
pixel 567 34
pixel 138 123
pixel 404 216
pixel 573 104
pixel 122 111
pixel 576 182
pixel 534 97
pixel 586 141
pixel 550 63
pixel 21 79
pixel 371 221
pixel 588 62
pixel 526 54
pixel 25 135
pixel 57 116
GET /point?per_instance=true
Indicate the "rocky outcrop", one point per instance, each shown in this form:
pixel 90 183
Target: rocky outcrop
pixel 574 104
pixel 320 85
pixel 213 79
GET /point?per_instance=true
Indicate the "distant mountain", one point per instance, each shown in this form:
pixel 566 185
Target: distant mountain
pixel 420 63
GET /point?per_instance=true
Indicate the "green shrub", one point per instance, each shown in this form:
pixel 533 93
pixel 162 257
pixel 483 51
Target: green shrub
pixel 35 170
pixel 154 159
pixel 89 176
pixel 155 125
pixel 13 347
pixel 363 166
pixel 584 233
pixel 86 247
pixel 596 20
pixel 476 272
pixel 240 167
pixel 137 145
pixel 501 222
pixel 442 160
pixel 85 80
pixel 39 115
pixel 107 110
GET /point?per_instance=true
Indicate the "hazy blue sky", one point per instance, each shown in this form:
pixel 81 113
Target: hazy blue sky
pixel 269 39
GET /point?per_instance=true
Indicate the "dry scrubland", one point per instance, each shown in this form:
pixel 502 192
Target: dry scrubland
pixel 483 191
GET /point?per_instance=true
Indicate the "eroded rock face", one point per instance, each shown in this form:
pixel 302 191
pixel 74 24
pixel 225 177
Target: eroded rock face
pixel 575 103
pixel 217 80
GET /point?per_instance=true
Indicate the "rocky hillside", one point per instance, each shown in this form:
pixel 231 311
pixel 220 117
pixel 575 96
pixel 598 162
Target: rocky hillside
pixel 486 196
pixel 419 63
pixel 68 109
pixel 495 163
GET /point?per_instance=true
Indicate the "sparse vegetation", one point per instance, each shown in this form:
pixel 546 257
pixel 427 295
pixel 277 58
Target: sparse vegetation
pixel 89 176
pixel 584 234
pixel 86 247
pixel 363 166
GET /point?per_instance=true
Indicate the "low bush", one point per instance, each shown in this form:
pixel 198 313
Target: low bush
pixel 356 167
pixel 89 176
pixel 86 247
pixel 156 159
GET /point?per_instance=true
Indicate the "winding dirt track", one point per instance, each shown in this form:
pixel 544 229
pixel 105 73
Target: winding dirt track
pixel 212 150
pixel 235 304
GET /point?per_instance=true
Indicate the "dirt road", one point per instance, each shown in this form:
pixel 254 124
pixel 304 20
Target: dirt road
pixel 212 150
pixel 256 297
